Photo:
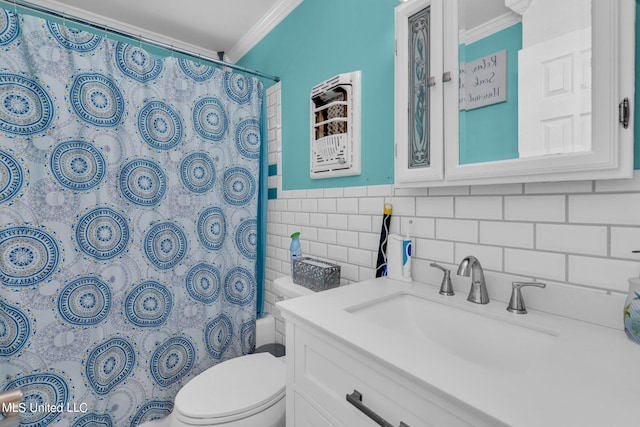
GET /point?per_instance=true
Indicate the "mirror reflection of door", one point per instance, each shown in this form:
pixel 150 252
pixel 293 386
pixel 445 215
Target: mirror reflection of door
pixel 555 78
pixel 547 105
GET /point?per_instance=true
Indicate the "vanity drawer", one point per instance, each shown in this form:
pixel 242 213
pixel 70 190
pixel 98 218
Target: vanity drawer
pixel 327 371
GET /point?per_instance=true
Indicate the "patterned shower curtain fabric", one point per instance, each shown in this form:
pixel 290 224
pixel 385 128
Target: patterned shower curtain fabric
pixel 127 223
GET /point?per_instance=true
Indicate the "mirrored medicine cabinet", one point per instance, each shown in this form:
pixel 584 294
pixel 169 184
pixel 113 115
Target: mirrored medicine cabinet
pixel 506 91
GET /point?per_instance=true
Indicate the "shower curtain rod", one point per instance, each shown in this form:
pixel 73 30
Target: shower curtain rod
pixel 65 17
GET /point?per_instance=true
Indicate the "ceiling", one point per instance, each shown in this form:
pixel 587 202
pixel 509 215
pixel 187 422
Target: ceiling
pixel 207 27
pixel 201 26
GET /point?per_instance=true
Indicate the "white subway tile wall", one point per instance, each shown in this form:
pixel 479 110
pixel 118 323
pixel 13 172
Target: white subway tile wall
pixel 535 208
pixel 489 207
pixel 575 236
pixel 504 233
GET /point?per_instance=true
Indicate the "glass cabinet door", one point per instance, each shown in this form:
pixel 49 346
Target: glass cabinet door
pixel 419 73
pixel 418 92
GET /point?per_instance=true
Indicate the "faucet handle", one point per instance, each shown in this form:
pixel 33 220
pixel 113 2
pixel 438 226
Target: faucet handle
pixel 446 288
pixel 516 303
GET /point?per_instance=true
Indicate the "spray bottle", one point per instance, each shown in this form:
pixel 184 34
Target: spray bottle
pixel 295 251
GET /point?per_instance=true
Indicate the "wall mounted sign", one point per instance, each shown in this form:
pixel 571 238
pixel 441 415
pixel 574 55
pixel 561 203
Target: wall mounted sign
pixel 483 81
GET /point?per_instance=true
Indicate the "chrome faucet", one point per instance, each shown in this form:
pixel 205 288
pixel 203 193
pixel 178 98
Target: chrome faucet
pixel 471 266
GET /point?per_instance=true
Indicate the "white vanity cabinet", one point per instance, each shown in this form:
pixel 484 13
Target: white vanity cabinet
pixel 573 106
pixel 322 371
pixel 443 361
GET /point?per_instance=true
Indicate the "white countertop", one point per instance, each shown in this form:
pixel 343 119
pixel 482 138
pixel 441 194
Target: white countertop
pixel 589 377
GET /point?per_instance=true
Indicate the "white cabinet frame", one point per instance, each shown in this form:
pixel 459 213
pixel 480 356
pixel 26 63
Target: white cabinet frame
pixel 611 155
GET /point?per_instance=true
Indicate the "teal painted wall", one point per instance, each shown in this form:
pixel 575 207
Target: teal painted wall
pixel 319 39
pixel 322 38
pixel 495 127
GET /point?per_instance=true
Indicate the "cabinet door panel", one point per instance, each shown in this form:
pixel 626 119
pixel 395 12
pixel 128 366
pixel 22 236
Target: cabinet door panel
pixel 327 372
pixel 418 92
pixel 308 416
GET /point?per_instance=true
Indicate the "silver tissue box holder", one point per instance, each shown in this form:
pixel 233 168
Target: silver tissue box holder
pixel 315 274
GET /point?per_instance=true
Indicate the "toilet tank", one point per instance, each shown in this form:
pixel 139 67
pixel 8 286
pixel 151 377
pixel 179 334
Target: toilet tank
pixel 265 330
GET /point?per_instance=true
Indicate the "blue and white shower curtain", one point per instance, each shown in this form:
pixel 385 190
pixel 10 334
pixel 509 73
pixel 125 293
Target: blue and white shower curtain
pixel 128 198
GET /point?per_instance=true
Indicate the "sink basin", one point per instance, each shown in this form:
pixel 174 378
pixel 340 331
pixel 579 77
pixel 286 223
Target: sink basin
pixel 480 338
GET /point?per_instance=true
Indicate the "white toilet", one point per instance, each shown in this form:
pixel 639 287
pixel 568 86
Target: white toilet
pixel 247 391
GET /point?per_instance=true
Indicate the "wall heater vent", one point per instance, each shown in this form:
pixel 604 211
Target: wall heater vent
pixel 335 127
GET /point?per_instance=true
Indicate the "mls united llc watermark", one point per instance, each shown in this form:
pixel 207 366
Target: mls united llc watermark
pixel 33 407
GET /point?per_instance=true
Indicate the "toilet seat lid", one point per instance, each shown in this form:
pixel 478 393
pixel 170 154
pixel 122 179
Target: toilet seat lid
pixel 233 387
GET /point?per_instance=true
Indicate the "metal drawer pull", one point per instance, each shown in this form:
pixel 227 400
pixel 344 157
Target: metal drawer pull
pixel 355 399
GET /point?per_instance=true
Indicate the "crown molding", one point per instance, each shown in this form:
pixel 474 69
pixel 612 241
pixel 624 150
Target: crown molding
pixel 518 6
pixel 113 24
pixel 272 18
pixel 493 26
